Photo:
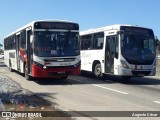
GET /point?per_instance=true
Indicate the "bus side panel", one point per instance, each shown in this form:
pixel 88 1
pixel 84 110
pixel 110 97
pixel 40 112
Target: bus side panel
pixel 6 58
pixel 86 60
pixel 14 60
pixel 11 57
pixel 88 57
pixel 21 66
pixel 116 64
pixel 15 67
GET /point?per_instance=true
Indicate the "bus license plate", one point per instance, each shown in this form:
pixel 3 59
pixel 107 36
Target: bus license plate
pixel 143 67
pixel 63 72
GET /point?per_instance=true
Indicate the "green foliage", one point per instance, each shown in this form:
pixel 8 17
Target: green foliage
pixel 158 44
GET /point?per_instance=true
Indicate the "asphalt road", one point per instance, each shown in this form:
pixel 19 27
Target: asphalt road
pixel 85 93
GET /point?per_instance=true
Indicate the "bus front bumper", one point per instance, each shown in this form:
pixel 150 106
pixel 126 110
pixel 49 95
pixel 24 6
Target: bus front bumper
pixel 141 72
pixel 55 71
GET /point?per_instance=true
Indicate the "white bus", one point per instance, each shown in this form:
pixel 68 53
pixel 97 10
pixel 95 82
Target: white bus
pixel 122 50
pixel 45 48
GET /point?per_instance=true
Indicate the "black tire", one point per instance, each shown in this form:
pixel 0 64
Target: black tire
pixel 26 74
pixel 64 77
pixel 125 79
pixel 10 67
pixel 98 71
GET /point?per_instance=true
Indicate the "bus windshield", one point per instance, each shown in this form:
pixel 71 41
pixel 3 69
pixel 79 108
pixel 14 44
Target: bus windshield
pixel 52 44
pixel 138 48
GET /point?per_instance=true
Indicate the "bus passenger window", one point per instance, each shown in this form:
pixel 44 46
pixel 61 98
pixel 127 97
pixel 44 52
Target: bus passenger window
pixel 98 40
pixel 86 42
pixel 23 39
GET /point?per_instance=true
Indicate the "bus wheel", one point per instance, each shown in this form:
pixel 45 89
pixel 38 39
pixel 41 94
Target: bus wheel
pixel 98 71
pixel 10 67
pixel 126 78
pixel 27 76
pixel 64 77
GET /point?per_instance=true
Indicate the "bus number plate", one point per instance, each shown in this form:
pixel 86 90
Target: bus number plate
pixel 63 72
pixel 141 67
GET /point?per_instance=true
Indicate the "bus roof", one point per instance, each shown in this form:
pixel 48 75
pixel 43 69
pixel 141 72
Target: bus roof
pixel 115 27
pixel 32 23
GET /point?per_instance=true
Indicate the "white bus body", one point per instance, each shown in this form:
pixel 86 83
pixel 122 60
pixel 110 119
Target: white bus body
pixel 122 50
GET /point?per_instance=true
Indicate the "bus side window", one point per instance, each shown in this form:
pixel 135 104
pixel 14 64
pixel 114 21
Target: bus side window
pixel 83 46
pixel 98 40
pixel 23 39
pixel 86 42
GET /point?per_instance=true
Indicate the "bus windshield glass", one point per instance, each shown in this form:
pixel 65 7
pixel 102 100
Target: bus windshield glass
pixel 52 44
pixel 138 46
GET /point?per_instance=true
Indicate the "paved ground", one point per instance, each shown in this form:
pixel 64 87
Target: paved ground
pixel 90 94
pixel 158 68
pixel 15 98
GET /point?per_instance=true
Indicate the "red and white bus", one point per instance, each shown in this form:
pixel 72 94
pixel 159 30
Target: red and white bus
pixel 44 49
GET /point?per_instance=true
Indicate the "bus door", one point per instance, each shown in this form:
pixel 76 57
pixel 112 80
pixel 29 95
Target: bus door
pixel 110 54
pixel 17 50
pixel 29 52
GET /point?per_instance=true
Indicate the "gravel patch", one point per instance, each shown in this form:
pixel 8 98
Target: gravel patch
pixel 14 98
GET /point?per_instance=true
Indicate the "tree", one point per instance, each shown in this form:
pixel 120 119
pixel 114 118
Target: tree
pixel 1 51
pixel 1 45
pixel 158 44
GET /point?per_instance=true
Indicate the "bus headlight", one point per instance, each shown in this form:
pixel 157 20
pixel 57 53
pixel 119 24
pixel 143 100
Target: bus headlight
pixel 77 64
pixel 44 67
pixel 124 64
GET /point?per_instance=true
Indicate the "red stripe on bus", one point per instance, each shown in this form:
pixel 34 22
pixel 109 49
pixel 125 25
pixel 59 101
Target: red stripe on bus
pixel 24 56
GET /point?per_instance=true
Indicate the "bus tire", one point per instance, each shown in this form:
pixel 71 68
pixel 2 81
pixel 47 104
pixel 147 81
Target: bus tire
pixel 26 74
pixel 64 77
pixel 125 79
pixel 10 67
pixel 98 71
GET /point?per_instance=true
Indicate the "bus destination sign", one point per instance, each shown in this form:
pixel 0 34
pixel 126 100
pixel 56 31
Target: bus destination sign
pixel 136 30
pixel 56 25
